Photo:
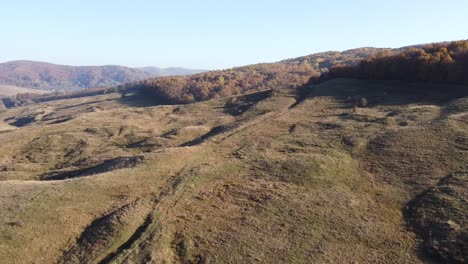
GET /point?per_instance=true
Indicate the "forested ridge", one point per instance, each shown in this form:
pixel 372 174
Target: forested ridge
pixel 284 74
pixel 440 62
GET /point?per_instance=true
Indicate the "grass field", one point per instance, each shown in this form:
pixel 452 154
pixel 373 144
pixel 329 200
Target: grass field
pixel 9 90
pixel 270 177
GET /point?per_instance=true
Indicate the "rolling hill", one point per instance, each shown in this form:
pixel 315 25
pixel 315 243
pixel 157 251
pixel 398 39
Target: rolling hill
pixel 47 76
pixel 437 62
pixel 270 177
pixel 446 61
pixel 214 84
pixel 371 168
pixel 9 90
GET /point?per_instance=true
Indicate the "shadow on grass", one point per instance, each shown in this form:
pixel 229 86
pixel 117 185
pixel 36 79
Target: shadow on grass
pixel 83 104
pixel 106 166
pixel 139 99
pixel 388 93
pixel 433 214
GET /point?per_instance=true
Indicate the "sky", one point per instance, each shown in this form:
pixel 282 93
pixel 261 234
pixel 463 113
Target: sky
pixel 209 34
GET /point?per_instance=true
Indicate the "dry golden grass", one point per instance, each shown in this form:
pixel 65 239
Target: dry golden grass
pixel 10 90
pixel 261 178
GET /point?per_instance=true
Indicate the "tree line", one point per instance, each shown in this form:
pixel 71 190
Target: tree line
pixel 433 62
pixel 441 62
pixel 289 73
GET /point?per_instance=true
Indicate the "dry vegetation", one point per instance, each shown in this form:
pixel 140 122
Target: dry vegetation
pixel 290 176
pixel 199 87
pixel 9 90
pixel 252 78
pixel 434 62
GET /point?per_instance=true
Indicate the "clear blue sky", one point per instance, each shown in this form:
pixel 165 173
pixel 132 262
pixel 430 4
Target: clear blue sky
pixel 216 34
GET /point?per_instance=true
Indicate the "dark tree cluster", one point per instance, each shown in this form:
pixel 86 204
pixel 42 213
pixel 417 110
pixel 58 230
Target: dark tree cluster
pixel 435 62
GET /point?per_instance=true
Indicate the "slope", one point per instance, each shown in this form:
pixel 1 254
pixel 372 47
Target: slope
pixel 251 78
pixel 9 90
pixel 270 177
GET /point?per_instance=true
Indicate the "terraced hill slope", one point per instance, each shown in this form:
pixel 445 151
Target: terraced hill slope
pixel 290 176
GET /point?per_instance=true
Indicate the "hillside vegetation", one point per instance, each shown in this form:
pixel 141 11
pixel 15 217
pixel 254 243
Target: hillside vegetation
pixel 23 99
pixel 297 173
pixel 438 62
pixel 271 177
pixel 432 62
pixel 215 84
pixel 435 62
pixel 9 90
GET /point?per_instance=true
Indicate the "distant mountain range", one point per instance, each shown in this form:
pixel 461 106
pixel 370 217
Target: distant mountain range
pixel 48 76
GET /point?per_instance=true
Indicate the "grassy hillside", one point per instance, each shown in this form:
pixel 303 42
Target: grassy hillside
pixel 289 176
pixel 9 90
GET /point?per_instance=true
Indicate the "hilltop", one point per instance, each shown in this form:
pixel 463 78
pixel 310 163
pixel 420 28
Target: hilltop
pixel 436 62
pixel 288 73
